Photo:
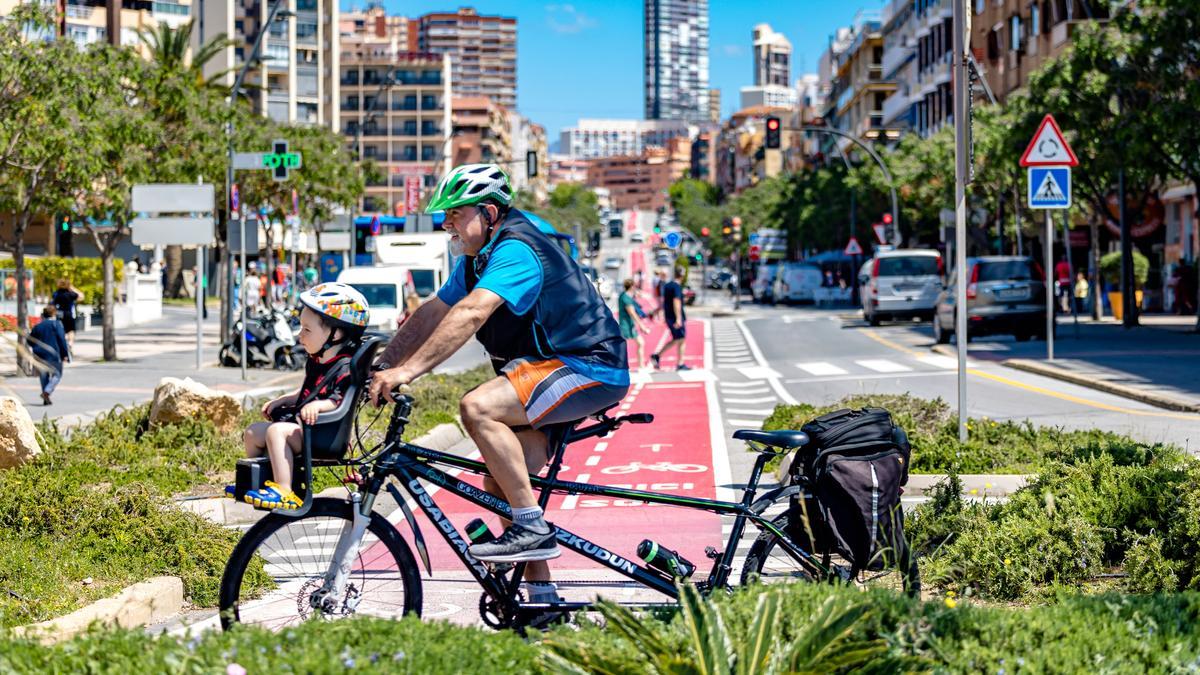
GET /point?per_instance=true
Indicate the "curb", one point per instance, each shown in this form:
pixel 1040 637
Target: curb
pixel 1133 393
pixel 226 512
pixel 990 485
pixel 143 603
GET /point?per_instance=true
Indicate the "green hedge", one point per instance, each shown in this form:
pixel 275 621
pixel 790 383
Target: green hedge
pixel 992 446
pixel 1110 633
pixel 87 274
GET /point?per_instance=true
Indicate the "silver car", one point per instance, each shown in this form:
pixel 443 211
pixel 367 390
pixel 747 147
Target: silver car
pixel 900 285
pixel 1005 295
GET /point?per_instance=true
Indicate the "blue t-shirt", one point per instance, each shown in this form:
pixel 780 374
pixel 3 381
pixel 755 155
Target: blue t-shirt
pixel 514 273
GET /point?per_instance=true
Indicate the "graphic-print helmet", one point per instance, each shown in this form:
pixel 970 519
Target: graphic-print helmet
pixel 342 304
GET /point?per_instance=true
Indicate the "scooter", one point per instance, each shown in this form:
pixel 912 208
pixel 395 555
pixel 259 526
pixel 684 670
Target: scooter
pixel 270 342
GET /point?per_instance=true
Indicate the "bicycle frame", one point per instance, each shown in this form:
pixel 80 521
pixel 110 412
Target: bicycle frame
pixel 411 464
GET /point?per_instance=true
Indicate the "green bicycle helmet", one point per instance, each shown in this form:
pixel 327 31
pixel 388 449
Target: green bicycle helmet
pixel 471 184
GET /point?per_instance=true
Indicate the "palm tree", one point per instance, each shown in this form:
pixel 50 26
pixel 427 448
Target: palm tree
pixel 177 69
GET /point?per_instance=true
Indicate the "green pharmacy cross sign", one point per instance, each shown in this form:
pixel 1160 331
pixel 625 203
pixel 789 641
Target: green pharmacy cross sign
pixel 279 161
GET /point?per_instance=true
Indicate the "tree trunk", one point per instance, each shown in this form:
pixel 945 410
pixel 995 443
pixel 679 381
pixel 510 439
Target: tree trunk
pixel 174 263
pixel 22 327
pixel 270 262
pixel 110 287
pixel 1097 285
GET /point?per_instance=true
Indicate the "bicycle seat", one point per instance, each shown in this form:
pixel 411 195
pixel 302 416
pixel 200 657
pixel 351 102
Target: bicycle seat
pixel 784 438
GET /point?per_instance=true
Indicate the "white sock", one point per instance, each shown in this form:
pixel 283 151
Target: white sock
pixel 541 591
pixel 530 517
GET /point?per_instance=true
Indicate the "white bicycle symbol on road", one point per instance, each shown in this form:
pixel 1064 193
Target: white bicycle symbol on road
pixel 666 467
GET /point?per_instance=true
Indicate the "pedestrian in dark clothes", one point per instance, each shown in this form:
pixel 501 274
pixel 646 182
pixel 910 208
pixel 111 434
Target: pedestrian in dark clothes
pixel 49 343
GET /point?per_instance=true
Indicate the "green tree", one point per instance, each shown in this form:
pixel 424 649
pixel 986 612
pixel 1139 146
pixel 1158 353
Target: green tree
pixel 191 110
pixel 696 207
pixel 45 152
pixel 569 207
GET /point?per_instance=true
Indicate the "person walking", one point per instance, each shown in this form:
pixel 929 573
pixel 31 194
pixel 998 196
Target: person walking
pixel 1081 292
pixel 49 343
pixel 630 320
pixel 673 314
pixel 64 300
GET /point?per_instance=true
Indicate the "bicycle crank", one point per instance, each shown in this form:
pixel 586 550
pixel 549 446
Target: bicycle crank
pixel 495 615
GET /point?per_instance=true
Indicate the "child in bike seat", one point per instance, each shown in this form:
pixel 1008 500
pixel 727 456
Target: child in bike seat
pixel 331 325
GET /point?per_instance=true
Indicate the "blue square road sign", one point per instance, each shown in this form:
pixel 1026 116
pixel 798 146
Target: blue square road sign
pixel 1049 187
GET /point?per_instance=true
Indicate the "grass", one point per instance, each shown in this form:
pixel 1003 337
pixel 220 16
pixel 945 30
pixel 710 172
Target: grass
pixel 97 505
pixel 993 446
pixel 1109 633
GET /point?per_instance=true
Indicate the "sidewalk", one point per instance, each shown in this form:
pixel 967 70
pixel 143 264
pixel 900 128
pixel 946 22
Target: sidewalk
pixel 1157 363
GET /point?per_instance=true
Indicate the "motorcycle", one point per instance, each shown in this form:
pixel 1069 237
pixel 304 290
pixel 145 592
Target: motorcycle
pixel 270 342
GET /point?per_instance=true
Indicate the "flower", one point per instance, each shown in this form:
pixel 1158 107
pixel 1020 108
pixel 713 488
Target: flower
pixel 1007 561
pixel 974 491
pixel 987 485
pixel 951 603
pixel 234 669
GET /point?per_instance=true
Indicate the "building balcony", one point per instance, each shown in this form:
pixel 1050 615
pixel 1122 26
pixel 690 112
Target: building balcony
pixel 895 106
pixel 404 156
pixel 894 58
pixel 1063 32
pixel 937 72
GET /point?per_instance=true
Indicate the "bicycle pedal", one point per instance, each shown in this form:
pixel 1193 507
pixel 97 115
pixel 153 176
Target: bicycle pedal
pixel 711 552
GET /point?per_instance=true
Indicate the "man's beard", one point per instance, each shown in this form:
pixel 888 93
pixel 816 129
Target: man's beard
pixel 457 248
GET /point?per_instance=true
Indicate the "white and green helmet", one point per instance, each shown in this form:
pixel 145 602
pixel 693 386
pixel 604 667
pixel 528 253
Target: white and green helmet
pixel 470 184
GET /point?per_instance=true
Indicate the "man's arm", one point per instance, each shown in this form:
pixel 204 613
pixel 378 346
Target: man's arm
pixel 460 323
pixel 678 310
pixel 415 332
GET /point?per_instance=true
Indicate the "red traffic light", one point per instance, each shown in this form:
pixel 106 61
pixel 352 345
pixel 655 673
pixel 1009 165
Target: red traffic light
pixel 773 123
pixel 887 219
pixel 704 232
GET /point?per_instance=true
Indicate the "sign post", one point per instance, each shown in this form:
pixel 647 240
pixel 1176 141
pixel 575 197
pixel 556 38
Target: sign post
pixel 1049 159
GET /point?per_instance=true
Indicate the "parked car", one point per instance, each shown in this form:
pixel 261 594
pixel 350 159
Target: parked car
pixel 797 282
pixel 616 227
pixel 637 237
pixel 900 285
pixel 763 287
pixel 612 263
pixel 603 284
pixel 664 258
pixel 721 278
pixel 1006 295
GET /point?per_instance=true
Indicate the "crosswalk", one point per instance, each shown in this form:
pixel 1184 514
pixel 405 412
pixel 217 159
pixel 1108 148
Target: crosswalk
pixel 931 363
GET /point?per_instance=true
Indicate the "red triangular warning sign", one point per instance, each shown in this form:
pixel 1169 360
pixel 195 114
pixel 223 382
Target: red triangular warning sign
pixel 852 247
pixel 1048 147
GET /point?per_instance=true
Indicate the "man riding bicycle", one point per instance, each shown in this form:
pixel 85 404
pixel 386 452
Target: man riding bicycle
pixel 555 346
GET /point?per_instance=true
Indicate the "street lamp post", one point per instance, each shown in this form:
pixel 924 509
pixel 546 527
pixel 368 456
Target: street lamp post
pixel 277 12
pixel 887 175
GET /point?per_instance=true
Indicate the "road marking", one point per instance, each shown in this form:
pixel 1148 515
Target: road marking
pixel 939 361
pixel 696 375
pixel 721 466
pixel 759 372
pixel 747 424
pixel 774 377
pixel 820 368
pixel 600 447
pixel 869 376
pixel 883 366
pixel 746 392
pixel 760 399
pixel 739 385
pixel 570 500
pixel 593 460
pixel 765 412
pixel 889 343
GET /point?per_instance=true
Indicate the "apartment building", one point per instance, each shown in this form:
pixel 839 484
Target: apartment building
pixel 772 57
pixel 593 138
pixel 852 77
pixel 676 60
pixel 714 106
pixel 918 57
pixel 641 181
pixel 375 24
pixel 394 106
pixel 528 137
pixel 481 132
pixel 482 49
pixel 566 169
pixel 1012 38
pixel 741 159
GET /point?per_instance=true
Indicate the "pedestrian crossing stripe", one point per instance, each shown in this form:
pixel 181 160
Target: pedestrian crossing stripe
pixel 1049 187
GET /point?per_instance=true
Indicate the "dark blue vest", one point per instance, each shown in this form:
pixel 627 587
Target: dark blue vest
pixel 569 318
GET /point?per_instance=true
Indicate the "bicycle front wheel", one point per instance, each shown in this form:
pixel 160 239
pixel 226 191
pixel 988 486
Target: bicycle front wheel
pixel 278 569
pixel 769 562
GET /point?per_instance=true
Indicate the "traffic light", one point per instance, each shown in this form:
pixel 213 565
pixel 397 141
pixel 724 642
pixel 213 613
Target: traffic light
pixel 531 161
pixel 887 219
pixel 772 133
pixel 704 232
pixel 65 245
pixel 657 228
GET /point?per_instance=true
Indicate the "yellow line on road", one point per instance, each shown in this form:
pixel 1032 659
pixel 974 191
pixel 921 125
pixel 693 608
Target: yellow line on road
pixel 1000 379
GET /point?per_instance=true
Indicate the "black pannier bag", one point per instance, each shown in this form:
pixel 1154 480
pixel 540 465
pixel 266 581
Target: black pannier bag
pixel 851 473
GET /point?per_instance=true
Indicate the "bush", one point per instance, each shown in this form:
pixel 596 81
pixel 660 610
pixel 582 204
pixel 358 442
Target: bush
pixel 1110 268
pixel 992 447
pixel 87 274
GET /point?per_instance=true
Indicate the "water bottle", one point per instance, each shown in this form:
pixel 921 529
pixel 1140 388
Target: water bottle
pixel 478 532
pixel 665 560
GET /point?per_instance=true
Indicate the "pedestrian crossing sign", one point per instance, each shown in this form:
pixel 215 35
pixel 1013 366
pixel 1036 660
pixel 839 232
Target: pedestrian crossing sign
pixel 1049 187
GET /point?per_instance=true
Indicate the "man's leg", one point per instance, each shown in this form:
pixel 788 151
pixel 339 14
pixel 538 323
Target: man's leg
pixel 679 350
pixel 489 412
pixel 657 357
pixel 534 446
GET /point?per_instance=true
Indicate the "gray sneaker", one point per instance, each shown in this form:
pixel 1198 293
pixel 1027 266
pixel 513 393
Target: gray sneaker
pixel 518 544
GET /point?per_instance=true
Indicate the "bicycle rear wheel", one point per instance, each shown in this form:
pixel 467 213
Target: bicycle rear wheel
pixel 279 563
pixel 769 562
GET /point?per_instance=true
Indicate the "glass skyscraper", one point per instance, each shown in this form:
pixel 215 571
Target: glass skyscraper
pixel 677 60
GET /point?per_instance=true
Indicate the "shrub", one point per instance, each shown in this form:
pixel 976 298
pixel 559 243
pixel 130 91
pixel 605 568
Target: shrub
pixel 1110 268
pixel 87 274
pixel 992 447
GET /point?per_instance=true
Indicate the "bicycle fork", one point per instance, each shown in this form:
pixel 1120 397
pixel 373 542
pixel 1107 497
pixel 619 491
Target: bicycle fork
pixel 337 576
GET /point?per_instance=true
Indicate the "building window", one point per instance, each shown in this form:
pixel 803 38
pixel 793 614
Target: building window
pixel 1014 33
pixel 980 5
pixel 993 44
pixel 1035 20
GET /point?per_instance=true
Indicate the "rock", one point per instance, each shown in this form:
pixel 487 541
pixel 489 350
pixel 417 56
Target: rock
pixel 18 437
pixel 150 601
pixel 176 400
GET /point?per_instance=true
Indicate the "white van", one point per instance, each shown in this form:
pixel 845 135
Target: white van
pixel 900 285
pixel 797 282
pixel 383 287
pixel 420 262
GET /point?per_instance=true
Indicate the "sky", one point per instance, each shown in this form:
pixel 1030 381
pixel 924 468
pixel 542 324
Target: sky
pixel 584 58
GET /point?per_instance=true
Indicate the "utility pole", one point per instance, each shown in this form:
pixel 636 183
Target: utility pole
pixel 962 170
